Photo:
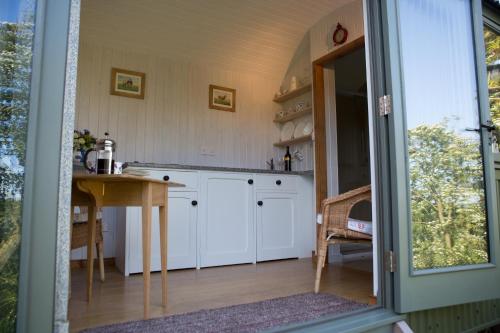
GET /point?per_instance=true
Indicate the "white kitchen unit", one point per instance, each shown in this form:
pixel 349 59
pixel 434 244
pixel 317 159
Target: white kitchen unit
pixel 276 225
pixel 182 217
pixel 227 225
pixel 215 220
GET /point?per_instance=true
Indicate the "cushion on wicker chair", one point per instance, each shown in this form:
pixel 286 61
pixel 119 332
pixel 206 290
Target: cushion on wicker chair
pixel 364 227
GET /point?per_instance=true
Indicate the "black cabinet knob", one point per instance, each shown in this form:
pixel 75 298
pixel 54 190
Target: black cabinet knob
pixel 278 182
pixel 166 178
pixel 194 203
pixel 260 203
pixel 250 181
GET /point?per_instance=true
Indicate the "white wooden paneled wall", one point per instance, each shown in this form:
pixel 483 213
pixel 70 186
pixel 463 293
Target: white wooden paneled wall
pixel 173 123
pixel 350 16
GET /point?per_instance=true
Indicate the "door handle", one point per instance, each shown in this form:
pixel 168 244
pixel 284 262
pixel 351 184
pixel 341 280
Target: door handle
pixel 488 126
pixel 278 182
pixel 250 181
pixel 166 178
pixel 194 203
pixel 259 203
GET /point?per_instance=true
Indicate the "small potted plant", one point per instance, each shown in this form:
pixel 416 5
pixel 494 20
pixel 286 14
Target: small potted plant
pixel 82 141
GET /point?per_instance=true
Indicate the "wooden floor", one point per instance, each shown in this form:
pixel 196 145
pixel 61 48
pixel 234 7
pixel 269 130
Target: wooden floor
pixel 119 298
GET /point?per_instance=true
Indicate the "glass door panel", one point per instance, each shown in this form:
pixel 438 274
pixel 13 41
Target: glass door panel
pixel 16 43
pixel 444 216
pixel 447 196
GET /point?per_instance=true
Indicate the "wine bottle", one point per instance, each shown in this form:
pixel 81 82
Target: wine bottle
pixel 288 159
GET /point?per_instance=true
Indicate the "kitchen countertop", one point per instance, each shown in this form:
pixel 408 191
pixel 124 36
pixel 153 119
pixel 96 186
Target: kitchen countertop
pixel 212 168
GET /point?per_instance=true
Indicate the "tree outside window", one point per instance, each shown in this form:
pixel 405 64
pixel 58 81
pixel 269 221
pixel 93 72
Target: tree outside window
pixel 492 45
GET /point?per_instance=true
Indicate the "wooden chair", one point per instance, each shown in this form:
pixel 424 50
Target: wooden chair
pixel 79 234
pixel 335 213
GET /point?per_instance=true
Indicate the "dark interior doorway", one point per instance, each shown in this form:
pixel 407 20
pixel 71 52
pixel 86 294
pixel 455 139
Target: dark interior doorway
pixel 353 148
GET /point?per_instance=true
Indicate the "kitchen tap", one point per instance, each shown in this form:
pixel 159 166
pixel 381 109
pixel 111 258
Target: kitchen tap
pixel 271 164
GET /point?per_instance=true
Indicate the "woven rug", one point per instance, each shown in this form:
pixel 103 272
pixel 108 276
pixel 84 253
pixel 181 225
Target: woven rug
pixel 252 317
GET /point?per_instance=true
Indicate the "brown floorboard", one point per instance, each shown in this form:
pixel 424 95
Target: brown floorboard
pixel 119 298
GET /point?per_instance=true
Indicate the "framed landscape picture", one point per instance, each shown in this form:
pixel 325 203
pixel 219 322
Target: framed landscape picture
pixel 127 83
pixel 221 98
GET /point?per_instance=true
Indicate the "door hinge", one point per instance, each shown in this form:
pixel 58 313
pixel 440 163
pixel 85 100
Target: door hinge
pixel 385 105
pixel 390 261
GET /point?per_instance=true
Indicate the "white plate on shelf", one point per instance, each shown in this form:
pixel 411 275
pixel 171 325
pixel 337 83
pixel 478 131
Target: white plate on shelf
pixel 287 131
pixel 308 128
pixel 299 129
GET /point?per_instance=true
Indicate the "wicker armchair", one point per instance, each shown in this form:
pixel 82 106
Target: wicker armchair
pixel 335 214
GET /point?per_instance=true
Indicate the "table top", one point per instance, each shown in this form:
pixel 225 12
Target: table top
pixel 124 177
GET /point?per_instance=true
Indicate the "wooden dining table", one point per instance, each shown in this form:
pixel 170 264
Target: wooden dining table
pixel 97 191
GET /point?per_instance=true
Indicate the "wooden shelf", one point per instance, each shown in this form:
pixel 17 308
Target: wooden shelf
pixel 292 94
pixel 294 115
pixel 301 139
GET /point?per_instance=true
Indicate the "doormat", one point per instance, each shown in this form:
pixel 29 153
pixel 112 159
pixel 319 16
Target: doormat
pixel 251 317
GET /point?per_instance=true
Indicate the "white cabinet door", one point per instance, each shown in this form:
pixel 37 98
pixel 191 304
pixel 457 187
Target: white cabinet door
pixel 276 226
pixel 227 226
pixel 182 218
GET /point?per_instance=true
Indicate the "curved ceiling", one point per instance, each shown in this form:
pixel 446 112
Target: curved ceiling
pixel 249 35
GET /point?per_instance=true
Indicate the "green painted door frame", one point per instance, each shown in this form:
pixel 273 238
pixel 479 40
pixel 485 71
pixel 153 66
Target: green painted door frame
pixel 39 283
pixel 46 178
pixel 42 206
pixel 45 210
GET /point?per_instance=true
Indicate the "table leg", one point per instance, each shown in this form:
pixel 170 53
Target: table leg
pixel 163 247
pixel 100 255
pixel 92 211
pixel 147 206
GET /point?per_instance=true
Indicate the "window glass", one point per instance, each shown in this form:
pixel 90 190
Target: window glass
pixel 16 41
pixel 448 215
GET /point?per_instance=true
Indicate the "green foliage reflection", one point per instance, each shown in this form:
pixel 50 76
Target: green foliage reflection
pixel 15 75
pixel 447 198
pixel 492 44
